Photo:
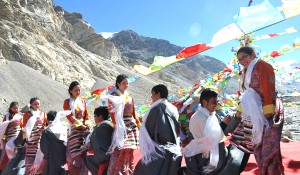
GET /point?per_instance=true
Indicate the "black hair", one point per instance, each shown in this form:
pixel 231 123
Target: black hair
pixel 51 115
pixel 207 94
pixel 162 89
pixel 72 85
pixel 12 104
pixel 247 50
pixel 32 100
pixel 120 78
pixel 103 111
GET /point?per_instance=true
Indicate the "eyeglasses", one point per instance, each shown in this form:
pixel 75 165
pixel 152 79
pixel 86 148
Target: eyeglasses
pixel 242 58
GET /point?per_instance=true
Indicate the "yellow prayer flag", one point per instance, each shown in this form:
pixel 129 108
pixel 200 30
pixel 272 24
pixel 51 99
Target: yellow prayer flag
pixel 142 69
pixel 291 8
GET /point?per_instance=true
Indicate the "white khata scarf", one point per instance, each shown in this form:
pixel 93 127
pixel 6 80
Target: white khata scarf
pixel 148 146
pixel 9 146
pixel 76 105
pixel 3 126
pixel 120 134
pixel 31 122
pixel 252 106
pixel 59 130
pixel 15 117
pixel 209 144
pixel 59 126
pixel 28 129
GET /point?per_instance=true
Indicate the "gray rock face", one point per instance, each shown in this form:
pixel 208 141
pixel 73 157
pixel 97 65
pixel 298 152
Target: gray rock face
pixel 136 49
pixel 85 36
pixel 38 39
pixel 33 33
pixel 65 47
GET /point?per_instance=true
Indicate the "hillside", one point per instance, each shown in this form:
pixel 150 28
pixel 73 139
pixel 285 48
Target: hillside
pixel 137 49
pixel 19 82
pixel 41 41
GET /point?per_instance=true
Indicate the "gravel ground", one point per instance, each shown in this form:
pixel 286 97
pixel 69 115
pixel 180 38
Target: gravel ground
pixel 291 127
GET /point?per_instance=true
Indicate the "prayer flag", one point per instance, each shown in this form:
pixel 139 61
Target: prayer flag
pixel 161 62
pixel 142 69
pixel 291 8
pixel 287 31
pixel 226 34
pixel 158 63
pixel 192 50
pixel 256 17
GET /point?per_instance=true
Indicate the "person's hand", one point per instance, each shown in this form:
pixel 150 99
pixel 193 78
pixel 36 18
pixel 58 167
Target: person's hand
pixel 138 123
pixel 238 115
pixel 227 119
pixel 83 127
pixel 79 114
pixel 269 115
pixel 88 127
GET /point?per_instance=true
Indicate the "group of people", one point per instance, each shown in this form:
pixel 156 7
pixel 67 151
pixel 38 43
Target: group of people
pixel 40 143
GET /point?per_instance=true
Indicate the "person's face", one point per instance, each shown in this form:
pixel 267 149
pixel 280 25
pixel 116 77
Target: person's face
pixel 15 109
pixel 98 119
pixel 155 96
pixel 35 105
pixel 123 85
pixel 211 105
pixel 244 59
pixel 75 91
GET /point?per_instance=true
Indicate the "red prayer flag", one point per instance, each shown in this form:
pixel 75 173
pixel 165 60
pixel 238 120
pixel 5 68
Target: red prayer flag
pixel 273 35
pixel 98 91
pixel 195 85
pixel 227 70
pixel 192 50
pixel 275 54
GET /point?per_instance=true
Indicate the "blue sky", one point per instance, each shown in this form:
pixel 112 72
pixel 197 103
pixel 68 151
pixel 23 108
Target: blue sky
pixel 182 22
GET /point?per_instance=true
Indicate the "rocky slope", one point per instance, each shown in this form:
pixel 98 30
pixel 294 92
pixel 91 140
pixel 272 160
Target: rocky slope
pixel 65 47
pixel 34 34
pixel 19 82
pixel 137 49
pixel 43 48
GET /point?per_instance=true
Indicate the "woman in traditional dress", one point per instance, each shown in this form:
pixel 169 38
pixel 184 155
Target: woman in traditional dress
pixel 34 122
pixel 126 134
pixel 260 106
pixel 79 126
pixel 9 128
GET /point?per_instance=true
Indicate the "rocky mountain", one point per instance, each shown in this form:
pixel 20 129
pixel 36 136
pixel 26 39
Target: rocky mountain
pixel 58 44
pixel 41 41
pixel 137 49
